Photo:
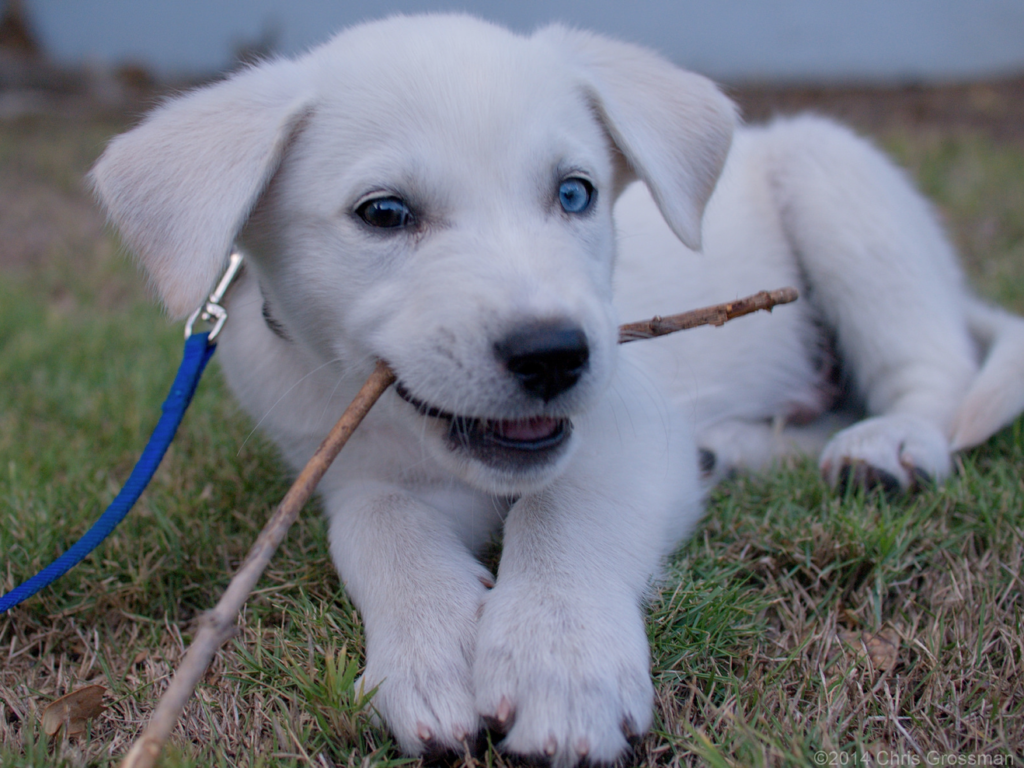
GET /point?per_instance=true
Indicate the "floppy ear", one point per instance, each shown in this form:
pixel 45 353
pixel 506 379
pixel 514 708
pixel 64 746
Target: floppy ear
pixel 673 127
pixel 181 185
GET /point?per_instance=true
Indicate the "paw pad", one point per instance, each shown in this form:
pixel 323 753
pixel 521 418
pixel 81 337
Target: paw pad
pixel 861 474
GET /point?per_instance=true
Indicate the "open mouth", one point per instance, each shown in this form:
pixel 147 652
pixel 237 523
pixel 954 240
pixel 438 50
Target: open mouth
pixel 499 441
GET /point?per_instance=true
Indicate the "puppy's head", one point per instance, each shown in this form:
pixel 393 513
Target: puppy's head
pixel 437 192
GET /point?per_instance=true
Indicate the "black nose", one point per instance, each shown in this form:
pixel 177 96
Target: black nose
pixel 546 358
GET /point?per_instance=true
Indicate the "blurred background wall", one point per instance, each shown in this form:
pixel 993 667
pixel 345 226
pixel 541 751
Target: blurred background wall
pixel 739 41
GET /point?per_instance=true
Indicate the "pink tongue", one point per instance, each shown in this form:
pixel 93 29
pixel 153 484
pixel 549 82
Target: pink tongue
pixel 536 428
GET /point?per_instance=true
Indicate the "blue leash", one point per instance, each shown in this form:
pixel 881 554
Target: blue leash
pixel 199 348
pixel 198 352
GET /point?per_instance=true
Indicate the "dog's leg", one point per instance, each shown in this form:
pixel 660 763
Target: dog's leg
pixel 736 444
pixel 883 276
pixel 419 590
pixel 562 658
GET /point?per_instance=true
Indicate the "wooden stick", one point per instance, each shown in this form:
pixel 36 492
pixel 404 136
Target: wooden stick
pixel 715 315
pixel 216 627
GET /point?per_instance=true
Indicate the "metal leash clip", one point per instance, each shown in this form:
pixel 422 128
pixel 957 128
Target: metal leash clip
pixel 212 311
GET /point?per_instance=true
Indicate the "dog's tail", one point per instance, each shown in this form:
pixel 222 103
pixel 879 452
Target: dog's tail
pixel 996 397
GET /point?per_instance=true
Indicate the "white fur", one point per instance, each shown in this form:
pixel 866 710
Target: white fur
pixel 475 127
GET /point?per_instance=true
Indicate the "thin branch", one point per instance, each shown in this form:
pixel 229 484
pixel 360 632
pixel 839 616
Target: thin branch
pixel 714 315
pixel 217 626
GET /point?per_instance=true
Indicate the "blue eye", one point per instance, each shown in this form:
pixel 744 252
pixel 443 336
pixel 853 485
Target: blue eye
pixel 386 213
pixel 575 195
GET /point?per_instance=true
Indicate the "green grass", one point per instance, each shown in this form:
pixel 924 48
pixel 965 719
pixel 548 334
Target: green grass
pixel 747 662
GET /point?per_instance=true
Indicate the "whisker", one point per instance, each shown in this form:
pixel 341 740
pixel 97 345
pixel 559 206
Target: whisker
pixel 282 397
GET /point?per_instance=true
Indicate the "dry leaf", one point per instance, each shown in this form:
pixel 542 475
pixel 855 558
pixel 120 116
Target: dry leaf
pixel 73 710
pixel 881 648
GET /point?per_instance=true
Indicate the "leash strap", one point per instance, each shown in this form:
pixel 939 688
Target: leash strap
pixel 198 351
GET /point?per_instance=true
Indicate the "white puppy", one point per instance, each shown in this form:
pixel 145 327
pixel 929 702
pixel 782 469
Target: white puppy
pixel 438 192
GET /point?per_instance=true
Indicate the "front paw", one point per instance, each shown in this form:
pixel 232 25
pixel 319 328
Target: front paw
pixel 422 668
pixel 564 681
pixel 429 708
pixel 894 452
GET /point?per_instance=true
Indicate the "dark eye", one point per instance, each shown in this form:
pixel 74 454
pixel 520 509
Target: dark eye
pixel 575 195
pixel 386 213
